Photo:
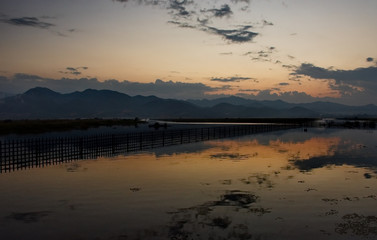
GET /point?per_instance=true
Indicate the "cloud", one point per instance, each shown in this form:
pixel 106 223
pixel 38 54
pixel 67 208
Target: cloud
pixel 347 82
pixel 262 55
pixel 240 35
pixel 223 11
pixel 20 83
pixel 232 79
pixel 179 7
pixel 266 23
pixel 73 70
pixel 350 76
pixel 182 24
pixel 195 15
pixel 276 94
pixel 36 23
pixel 28 22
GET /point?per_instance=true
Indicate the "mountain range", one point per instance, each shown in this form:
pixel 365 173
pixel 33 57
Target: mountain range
pixel 43 103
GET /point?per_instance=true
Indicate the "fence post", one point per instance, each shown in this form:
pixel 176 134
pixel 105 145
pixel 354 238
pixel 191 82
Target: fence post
pixel 81 148
pixel 112 144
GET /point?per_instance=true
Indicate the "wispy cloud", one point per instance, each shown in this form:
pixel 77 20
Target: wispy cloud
pixel 223 11
pixel 36 22
pixel 202 16
pixel 73 70
pixel 232 79
pixel 239 35
pixel 264 55
pixel 28 22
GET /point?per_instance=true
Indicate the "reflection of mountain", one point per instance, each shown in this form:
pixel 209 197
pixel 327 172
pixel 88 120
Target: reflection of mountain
pixel 45 103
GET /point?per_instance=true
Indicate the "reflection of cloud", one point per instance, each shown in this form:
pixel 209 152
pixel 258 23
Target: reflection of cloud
pixel 337 160
pixel 358 153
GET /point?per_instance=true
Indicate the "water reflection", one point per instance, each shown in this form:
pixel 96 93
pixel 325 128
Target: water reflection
pixel 319 184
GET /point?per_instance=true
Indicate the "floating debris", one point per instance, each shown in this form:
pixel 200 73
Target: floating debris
pixel 231 156
pixel 205 184
pixel 311 189
pixel 331 212
pixel 237 198
pixel 262 179
pixel 324 232
pixel 351 199
pixel 226 182
pixel 221 222
pixel 260 211
pixel 374 197
pixel 332 201
pixel 241 232
pixel 356 224
pixel 29 217
pixel 135 189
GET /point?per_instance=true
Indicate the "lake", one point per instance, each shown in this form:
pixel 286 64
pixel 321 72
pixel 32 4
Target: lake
pixel 290 184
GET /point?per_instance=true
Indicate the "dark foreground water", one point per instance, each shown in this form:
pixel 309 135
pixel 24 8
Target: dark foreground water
pixel 320 184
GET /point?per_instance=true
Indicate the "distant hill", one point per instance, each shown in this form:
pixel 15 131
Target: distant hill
pixel 43 103
pixel 327 109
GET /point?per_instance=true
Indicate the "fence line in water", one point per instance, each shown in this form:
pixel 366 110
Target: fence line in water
pixel 30 153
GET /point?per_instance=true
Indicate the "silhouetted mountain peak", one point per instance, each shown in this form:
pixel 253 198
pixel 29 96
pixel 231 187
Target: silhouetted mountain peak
pixel 41 91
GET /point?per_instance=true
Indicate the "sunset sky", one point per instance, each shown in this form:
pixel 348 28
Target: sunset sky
pixel 294 50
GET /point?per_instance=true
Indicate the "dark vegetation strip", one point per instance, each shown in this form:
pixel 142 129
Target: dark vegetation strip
pixel 352 122
pixel 56 125
pixel 247 120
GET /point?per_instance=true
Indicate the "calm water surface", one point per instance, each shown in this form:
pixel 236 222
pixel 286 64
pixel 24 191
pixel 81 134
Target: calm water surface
pixel 320 184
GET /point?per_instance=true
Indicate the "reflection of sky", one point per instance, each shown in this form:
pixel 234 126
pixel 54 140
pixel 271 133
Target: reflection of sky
pixel 235 187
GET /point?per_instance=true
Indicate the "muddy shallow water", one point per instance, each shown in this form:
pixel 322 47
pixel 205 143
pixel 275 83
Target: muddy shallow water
pixel 319 184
